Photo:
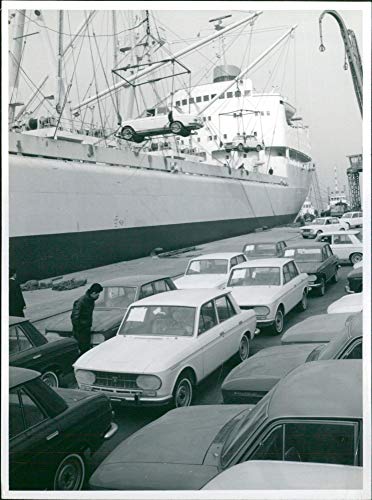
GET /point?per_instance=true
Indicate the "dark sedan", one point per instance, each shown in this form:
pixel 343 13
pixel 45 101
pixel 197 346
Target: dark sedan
pixel 355 281
pixel 318 261
pixel 53 432
pixel 113 303
pixel 249 381
pixel 314 414
pixel 264 249
pixel 28 348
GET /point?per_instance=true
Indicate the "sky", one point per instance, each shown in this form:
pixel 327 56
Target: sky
pixel 315 82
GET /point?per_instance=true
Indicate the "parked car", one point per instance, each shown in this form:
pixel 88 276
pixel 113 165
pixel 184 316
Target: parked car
pixel 323 225
pixel 160 121
pixel 271 287
pixel 355 281
pixel 264 249
pixel 320 328
pixel 248 382
pixel 209 271
pixel 318 261
pixel 113 303
pixel 347 245
pixel 279 475
pixel 28 348
pixel 312 415
pixel 53 432
pixel 244 143
pixel 353 219
pixel 166 345
pixel 351 303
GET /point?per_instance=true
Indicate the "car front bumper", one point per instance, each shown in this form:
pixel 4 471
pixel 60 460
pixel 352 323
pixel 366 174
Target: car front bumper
pixel 129 398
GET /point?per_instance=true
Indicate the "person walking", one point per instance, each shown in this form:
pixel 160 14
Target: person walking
pixel 16 300
pixel 82 316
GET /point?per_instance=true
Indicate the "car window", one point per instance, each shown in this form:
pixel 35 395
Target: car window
pixel 328 221
pixel 16 421
pixel 36 338
pixel 18 342
pixel 355 351
pixel 207 319
pixel 233 262
pixel 208 266
pixel 146 291
pixel 355 216
pixel 324 254
pixel 271 446
pixel 225 309
pixel 292 270
pixel 329 251
pixel 160 286
pixel 286 274
pixel 241 259
pixel 341 239
pixel 326 238
pixel 116 296
pixel 32 413
pixel 335 221
pixel 255 276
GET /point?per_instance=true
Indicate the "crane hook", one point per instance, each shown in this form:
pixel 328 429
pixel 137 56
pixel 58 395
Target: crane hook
pixel 322 48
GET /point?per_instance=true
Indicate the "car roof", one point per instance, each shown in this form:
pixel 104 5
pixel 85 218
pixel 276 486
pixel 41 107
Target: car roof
pixel 15 320
pixel 322 389
pixel 280 475
pixel 308 244
pixel 188 297
pixel 134 280
pixel 18 376
pixel 273 242
pixel 348 299
pixel 272 262
pixel 321 323
pixel 219 255
pixel 349 231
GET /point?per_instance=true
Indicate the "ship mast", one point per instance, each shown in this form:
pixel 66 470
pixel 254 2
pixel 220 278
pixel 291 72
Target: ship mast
pixel 15 60
pixel 156 66
pixel 115 63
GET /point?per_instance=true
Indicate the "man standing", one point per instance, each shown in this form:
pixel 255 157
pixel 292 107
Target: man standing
pixel 16 300
pixel 82 316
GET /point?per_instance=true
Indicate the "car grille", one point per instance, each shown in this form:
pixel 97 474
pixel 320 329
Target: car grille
pixel 121 380
pixel 246 308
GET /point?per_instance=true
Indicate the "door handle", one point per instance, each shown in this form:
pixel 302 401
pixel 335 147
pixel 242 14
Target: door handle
pixel 37 356
pixel 53 435
pixel 222 334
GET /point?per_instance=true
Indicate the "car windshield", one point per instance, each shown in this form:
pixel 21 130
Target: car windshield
pixel 315 353
pixel 348 215
pixel 319 222
pixel 208 266
pixel 304 254
pixel 116 296
pixel 172 321
pixel 255 276
pixel 260 249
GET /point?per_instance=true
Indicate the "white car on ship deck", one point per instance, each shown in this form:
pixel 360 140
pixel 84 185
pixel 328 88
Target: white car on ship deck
pixel 323 225
pixel 165 345
pixel 272 287
pixel 353 219
pixel 210 270
pixel 350 303
pixel 347 245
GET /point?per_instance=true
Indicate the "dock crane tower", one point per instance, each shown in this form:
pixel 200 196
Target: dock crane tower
pixel 354 61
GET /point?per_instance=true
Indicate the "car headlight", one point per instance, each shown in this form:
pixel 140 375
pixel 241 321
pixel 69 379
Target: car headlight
pixel 261 310
pixel 85 377
pixel 312 278
pixel 148 382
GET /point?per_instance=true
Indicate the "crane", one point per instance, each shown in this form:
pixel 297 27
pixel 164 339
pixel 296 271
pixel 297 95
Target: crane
pixel 351 53
pixel 354 61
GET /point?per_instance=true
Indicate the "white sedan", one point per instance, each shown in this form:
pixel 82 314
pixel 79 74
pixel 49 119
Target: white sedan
pixel 272 287
pixel 209 271
pixel 165 345
pixel 160 121
pixel 323 225
pixel 353 219
pixel 347 245
pixel 351 303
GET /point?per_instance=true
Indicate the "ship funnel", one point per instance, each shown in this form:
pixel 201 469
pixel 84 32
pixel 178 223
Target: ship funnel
pixel 225 73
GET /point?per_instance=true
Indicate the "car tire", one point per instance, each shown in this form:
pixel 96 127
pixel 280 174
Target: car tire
pixel 335 277
pixel 348 225
pixel 51 378
pixel 183 391
pixel 278 325
pixel 176 127
pixel 70 473
pixel 322 288
pixel 258 148
pixel 244 348
pixel 356 257
pixel 318 233
pixel 127 133
pixel 240 147
pixel 342 229
pixel 302 305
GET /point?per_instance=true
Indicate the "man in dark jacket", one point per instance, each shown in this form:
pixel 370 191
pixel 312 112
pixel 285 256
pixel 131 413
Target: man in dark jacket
pixel 82 316
pixel 16 300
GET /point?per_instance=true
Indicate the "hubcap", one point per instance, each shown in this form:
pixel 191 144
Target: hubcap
pixel 279 321
pixel 176 127
pixel 183 394
pixel 244 348
pixel 356 258
pixel 127 134
pixel 70 475
pixel 304 301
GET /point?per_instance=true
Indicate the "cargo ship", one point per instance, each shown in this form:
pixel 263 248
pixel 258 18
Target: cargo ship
pixel 76 203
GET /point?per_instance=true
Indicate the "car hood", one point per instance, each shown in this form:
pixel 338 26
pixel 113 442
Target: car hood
pixel 308 267
pixel 348 303
pixel 201 281
pixel 255 295
pixel 103 319
pixel 263 370
pixel 310 226
pixel 177 443
pixel 135 354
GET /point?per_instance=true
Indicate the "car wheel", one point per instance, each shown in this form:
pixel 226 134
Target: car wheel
pixel 258 148
pixel 342 229
pixel 240 147
pixel 176 127
pixel 183 392
pixel 303 302
pixel 319 232
pixel 322 287
pixel 51 378
pixel 127 133
pixel 356 257
pixel 335 277
pixel 278 324
pixel 243 352
pixel 70 473
pixel 348 225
